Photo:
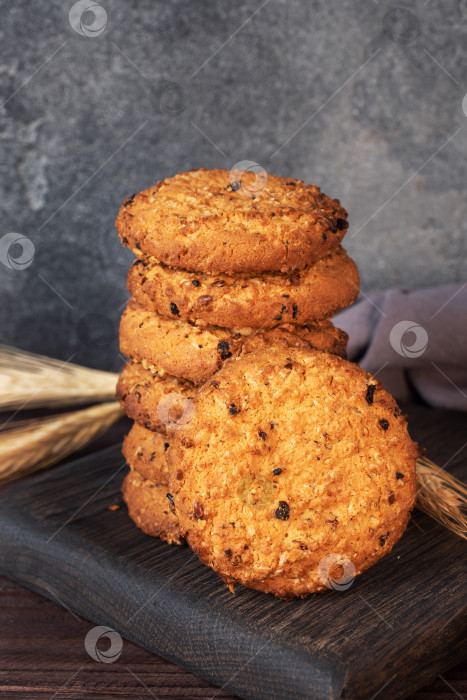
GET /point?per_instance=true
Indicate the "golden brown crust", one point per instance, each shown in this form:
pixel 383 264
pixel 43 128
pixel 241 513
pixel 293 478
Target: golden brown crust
pixel 145 452
pixel 266 301
pixel 291 456
pixel 149 508
pixel 151 400
pixel 193 353
pixel 197 221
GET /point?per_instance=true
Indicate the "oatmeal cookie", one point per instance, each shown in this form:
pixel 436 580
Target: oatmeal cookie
pixel 195 353
pixel 211 221
pixel 149 508
pixel 266 301
pixel 152 400
pixel 145 452
pixel 296 470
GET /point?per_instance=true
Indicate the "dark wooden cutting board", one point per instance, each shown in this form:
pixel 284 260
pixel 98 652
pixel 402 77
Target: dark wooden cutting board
pixel 395 628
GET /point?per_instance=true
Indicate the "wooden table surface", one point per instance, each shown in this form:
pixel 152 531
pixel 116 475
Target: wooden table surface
pixel 42 653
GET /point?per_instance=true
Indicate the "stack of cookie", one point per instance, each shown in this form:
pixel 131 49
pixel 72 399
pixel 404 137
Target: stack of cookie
pixel 227 264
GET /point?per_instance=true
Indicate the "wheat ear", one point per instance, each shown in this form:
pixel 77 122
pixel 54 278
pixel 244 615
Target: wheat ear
pixel 442 496
pixel 32 381
pixel 30 445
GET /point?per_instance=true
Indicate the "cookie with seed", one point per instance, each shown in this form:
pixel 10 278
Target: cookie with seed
pixel 265 301
pixel 145 452
pixel 148 506
pixel 295 474
pixel 152 400
pixel 195 353
pixel 215 221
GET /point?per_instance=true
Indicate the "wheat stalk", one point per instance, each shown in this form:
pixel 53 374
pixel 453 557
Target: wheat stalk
pixel 442 496
pixel 31 381
pixel 30 445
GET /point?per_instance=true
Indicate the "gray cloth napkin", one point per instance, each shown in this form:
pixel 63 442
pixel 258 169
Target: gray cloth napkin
pixel 413 341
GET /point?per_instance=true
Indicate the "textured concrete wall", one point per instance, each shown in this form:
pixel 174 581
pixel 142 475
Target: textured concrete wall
pixel 362 98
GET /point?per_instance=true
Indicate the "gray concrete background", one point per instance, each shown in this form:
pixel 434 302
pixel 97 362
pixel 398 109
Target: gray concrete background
pixel 363 98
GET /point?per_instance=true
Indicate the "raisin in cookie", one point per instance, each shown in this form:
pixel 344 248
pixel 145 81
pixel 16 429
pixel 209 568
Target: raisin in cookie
pixel 195 353
pixel 145 452
pixel 294 460
pixel 152 400
pixel 266 301
pixel 210 221
pixel 149 508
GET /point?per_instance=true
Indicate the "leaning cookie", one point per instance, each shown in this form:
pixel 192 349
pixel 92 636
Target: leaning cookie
pixel 321 472
pixel 215 221
pixel 195 353
pixel 154 401
pixel 149 508
pixel 266 301
pixel 145 452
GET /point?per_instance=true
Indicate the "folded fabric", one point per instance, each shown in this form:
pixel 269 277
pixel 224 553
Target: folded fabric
pixel 413 341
